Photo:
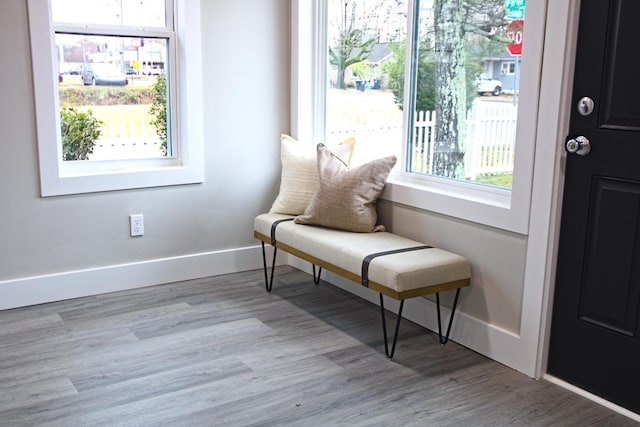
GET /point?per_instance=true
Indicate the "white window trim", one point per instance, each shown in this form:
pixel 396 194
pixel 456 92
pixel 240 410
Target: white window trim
pixel 494 207
pixel 186 166
pixel 308 39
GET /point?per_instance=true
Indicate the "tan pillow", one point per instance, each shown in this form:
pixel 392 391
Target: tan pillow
pixel 300 173
pixel 346 198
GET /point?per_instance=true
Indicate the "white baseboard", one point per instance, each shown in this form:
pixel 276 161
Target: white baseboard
pixel 74 284
pixel 492 341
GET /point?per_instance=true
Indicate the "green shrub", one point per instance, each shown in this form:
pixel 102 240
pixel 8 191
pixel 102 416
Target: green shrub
pixel 159 110
pixel 80 130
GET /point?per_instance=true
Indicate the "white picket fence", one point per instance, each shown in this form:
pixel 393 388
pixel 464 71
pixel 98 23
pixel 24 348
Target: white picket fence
pixel 489 142
pixel 135 141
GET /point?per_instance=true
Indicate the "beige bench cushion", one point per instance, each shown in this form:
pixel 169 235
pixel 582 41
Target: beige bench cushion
pixel 346 250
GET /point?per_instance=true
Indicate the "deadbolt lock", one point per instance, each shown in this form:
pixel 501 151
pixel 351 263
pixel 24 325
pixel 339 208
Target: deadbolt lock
pixel 585 106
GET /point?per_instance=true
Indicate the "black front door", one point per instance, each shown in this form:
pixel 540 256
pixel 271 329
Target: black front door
pixel 595 327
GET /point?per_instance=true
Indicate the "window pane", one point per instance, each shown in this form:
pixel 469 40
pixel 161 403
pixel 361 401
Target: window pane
pixel 466 91
pixel 365 73
pixel 145 13
pixel 113 97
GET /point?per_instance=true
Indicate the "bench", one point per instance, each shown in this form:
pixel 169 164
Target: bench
pixel 389 264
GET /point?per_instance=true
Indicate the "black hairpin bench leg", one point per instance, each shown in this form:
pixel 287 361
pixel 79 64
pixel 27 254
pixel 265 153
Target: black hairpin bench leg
pixel 453 311
pixel 384 328
pixel 316 279
pixel 268 282
pixel 443 340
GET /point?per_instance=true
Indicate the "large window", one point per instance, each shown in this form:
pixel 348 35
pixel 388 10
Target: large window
pixel 111 93
pixel 462 121
pixel 425 80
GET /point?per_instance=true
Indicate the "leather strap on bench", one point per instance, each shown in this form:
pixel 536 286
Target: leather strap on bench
pixel 273 229
pixel 367 260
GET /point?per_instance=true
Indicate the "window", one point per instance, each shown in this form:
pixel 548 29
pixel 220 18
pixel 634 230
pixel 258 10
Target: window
pixel 111 94
pixel 404 78
pixel 508 68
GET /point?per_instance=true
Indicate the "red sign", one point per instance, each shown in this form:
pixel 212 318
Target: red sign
pixel 515 32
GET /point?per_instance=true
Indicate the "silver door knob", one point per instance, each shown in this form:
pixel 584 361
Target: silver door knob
pixel 579 145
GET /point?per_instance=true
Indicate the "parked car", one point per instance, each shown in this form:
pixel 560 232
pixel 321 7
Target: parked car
pixel 103 74
pixel 488 85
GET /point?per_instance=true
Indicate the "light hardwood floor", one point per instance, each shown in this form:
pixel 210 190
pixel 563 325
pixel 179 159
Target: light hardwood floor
pixel 222 351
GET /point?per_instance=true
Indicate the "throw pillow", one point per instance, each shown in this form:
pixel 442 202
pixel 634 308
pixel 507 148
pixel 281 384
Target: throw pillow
pixel 346 198
pixel 299 177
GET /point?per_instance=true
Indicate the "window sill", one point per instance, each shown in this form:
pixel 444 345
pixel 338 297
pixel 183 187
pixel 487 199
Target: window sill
pixel 484 205
pixel 91 182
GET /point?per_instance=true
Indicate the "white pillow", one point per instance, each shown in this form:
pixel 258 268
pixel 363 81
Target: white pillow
pixel 299 178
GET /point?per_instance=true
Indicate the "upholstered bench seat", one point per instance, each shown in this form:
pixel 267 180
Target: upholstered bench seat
pixel 389 264
pixel 398 275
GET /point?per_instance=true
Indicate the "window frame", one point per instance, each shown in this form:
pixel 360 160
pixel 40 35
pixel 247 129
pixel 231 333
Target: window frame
pixel 185 166
pixel 495 207
pixel 510 66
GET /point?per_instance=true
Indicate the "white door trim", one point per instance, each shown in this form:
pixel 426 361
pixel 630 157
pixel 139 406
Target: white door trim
pixel 546 196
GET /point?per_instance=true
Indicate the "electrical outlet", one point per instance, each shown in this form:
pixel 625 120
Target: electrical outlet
pixel 137 224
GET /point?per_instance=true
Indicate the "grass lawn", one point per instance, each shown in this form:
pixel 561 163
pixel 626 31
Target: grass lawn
pixel 121 117
pixel 504 180
pixel 119 120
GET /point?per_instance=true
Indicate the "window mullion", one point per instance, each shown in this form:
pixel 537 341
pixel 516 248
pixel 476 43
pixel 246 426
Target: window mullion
pixel 174 149
pixel 410 76
pixel 320 69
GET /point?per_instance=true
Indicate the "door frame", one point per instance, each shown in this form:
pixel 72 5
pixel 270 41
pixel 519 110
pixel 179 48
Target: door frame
pixel 548 180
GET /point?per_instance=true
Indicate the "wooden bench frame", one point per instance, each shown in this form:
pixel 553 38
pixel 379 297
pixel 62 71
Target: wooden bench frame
pixel 378 287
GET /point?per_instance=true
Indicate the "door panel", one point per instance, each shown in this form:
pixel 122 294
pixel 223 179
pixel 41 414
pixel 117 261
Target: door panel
pixel 621 109
pixel 594 332
pixel 608 297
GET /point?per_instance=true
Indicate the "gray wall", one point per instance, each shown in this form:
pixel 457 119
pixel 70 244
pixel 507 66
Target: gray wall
pixel 246 88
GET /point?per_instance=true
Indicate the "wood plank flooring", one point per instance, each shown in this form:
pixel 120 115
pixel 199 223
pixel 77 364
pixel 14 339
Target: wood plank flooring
pixel 220 351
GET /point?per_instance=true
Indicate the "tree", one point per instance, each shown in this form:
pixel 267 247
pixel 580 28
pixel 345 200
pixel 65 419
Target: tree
pixel 453 20
pixel 355 32
pixel 450 126
pixel 362 70
pixel 425 78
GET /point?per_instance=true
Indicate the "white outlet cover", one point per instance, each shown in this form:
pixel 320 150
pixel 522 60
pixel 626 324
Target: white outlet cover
pixel 136 223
